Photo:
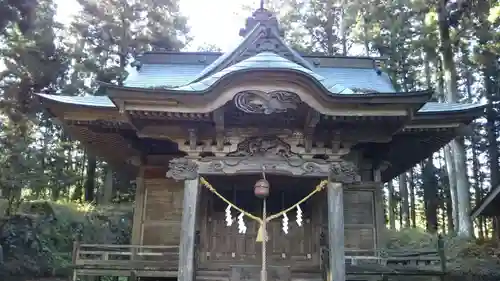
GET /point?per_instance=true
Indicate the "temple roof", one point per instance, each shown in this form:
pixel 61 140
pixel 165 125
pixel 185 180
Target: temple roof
pixel 261 49
pixel 194 86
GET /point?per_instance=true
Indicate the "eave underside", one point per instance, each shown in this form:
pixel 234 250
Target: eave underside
pixel 407 149
pixel 112 135
pixel 403 152
pixel 112 147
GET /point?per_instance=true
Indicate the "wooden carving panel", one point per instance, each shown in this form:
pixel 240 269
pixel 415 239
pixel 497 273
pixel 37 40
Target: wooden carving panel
pixel 163 200
pixel 359 238
pixel 358 207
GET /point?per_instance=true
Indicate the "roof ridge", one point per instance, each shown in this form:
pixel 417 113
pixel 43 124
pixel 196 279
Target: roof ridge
pixel 224 57
pixel 261 35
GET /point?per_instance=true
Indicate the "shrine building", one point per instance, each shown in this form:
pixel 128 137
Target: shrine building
pixel 200 129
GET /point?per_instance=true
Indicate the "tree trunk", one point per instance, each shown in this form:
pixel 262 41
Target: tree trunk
pixel 473 140
pixel 90 177
pixel 342 28
pixel 392 206
pixel 457 145
pixel 405 206
pixel 450 167
pixel 413 211
pixel 107 190
pixel 430 187
pixel 490 74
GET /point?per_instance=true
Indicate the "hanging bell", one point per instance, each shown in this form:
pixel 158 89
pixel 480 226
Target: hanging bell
pixel 261 189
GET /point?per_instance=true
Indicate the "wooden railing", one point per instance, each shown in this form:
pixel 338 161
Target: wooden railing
pixel 125 257
pixel 386 263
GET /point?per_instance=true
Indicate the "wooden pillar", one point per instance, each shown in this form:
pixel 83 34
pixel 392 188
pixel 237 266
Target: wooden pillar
pixel 188 229
pixel 381 227
pixel 341 173
pixel 336 232
pixel 138 208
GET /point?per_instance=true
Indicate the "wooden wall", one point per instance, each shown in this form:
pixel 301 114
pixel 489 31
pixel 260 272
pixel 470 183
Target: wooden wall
pixel 363 217
pixel 359 219
pixel 157 217
pixel 159 210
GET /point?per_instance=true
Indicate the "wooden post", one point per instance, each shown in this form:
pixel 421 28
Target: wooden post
pixel 442 257
pixel 138 212
pixel 335 198
pixel 188 230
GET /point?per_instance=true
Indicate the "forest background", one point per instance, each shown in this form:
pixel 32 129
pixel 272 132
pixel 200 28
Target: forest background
pixel 54 191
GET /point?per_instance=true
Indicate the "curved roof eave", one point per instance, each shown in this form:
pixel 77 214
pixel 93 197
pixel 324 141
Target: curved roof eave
pixel 333 91
pixel 104 102
pixel 85 101
pixel 361 96
pixel 432 108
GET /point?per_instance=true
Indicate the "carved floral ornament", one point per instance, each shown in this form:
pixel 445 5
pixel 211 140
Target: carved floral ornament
pixel 268 152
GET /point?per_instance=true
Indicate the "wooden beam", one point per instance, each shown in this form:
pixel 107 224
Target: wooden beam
pixel 335 199
pixel 188 228
pixel 485 202
pixel 219 121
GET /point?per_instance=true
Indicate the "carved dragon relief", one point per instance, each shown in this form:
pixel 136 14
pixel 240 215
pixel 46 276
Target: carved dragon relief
pixel 263 146
pixel 259 102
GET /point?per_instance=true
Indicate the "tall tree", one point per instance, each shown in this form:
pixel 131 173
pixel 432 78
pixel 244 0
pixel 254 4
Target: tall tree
pixel 457 145
pixel 110 33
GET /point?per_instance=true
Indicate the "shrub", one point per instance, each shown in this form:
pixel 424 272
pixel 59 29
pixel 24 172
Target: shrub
pixel 38 241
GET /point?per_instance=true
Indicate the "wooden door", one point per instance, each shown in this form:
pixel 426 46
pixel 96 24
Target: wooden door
pixel 221 244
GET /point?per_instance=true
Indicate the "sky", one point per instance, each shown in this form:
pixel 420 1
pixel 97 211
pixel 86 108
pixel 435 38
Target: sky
pixel 209 23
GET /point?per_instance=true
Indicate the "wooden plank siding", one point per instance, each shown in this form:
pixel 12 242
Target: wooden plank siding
pixel 361 210
pixel 359 220
pixel 159 203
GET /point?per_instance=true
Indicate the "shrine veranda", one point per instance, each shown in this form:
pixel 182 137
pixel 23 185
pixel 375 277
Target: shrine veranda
pixel 200 128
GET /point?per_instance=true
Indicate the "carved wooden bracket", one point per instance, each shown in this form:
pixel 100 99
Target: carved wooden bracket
pixel 182 169
pixel 344 172
pixel 268 152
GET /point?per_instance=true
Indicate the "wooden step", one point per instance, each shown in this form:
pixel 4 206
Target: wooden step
pixel 212 275
pixel 306 276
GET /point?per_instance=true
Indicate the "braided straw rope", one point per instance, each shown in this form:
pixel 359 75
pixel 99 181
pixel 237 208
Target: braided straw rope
pixel 318 188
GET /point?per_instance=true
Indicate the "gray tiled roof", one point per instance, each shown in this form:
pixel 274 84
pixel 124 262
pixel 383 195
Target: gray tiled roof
pixel 441 107
pixel 163 75
pixel 105 102
pixel 339 80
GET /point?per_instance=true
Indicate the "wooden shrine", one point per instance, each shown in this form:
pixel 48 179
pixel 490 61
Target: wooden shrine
pixel 188 121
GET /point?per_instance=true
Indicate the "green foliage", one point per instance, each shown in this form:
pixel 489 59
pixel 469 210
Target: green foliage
pixel 39 240
pixel 20 12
